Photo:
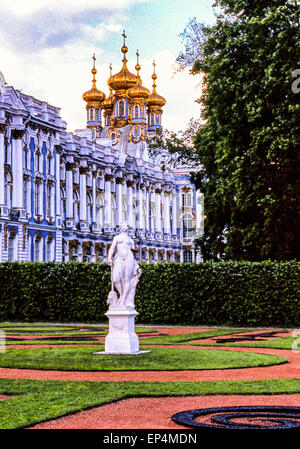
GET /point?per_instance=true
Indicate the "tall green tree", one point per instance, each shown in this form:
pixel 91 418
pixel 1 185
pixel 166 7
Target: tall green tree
pixel 248 149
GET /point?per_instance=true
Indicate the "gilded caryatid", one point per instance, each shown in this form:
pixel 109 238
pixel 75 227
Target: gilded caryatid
pixel 155 103
pixel 138 96
pixel 94 98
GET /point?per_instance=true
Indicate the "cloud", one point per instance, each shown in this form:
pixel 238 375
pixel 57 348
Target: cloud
pixel 35 24
pixel 30 7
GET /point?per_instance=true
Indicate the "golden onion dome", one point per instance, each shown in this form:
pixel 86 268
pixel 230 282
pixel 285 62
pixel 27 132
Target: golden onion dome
pixel 138 92
pixel 123 80
pixel 93 96
pixel 155 101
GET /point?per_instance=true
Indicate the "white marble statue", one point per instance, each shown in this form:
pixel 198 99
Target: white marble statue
pixel 125 271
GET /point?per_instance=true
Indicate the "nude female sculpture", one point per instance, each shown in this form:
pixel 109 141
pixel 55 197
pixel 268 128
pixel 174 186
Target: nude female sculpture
pixel 125 271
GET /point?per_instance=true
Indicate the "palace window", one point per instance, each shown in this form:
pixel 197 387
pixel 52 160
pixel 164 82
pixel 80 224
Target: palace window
pixel 25 194
pixel 63 203
pixel 113 210
pixel 187 256
pixel 38 249
pixel 152 218
pixel 49 249
pixel 11 248
pixel 37 198
pixel 152 119
pixel 136 112
pixel 124 210
pixel 26 155
pixel 49 201
pixel 107 120
pixel 87 257
pixel 7 152
pixel 122 108
pixel 100 210
pixel 89 208
pixel 187 225
pixel 76 205
pixel 49 165
pixel 38 162
pixel 7 190
pixel 186 199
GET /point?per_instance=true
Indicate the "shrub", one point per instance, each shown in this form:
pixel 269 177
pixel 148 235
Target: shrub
pixel 226 293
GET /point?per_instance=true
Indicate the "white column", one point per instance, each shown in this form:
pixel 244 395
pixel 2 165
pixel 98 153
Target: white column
pixel 2 164
pixel 119 200
pixel 141 215
pixel 57 186
pixel 174 214
pixel 130 204
pixel 82 192
pixel 147 224
pixel 157 210
pixel 94 194
pixel 17 168
pixel 69 191
pixel 167 213
pixel 107 199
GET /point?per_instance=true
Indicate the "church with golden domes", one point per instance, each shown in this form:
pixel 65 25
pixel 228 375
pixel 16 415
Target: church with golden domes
pixel 64 195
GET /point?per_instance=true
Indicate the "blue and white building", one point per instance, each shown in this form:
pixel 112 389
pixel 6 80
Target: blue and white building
pixel 63 195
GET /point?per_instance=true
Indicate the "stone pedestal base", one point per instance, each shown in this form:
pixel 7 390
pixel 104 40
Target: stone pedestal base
pixel 121 338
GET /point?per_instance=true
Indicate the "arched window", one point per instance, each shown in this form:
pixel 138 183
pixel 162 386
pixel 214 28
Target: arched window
pixel 122 108
pixel 187 225
pixel 136 111
pixel 144 212
pixel 100 210
pixel 107 120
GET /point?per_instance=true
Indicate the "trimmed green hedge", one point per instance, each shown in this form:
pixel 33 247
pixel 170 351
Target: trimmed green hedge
pixel 226 293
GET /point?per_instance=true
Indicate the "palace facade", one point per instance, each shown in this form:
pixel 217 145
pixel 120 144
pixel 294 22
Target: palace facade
pixel 63 195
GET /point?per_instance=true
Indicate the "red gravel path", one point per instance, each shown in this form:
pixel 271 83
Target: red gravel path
pixel 155 413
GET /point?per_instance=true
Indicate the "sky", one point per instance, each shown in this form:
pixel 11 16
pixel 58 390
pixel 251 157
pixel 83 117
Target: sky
pixel 46 49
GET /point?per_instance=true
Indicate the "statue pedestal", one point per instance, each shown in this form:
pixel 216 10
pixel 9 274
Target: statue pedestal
pixel 121 338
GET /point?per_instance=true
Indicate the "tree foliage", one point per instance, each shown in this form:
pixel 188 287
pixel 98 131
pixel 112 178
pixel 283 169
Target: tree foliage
pixel 248 148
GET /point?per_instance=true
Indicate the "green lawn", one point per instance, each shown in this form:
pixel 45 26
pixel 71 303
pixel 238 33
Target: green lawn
pixel 40 400
pixel 83 359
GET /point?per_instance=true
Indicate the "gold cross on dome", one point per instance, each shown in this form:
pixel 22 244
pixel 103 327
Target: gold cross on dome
pixel 110 68
pixel 137 56
pixel 154 65
pixel 94 59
